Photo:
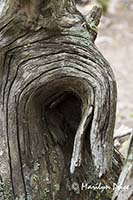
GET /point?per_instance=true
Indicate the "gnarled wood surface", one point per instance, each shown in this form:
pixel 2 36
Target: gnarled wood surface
pixel 57 102
pixel 124 187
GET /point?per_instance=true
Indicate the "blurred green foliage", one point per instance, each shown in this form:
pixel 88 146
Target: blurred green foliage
pixel 104 4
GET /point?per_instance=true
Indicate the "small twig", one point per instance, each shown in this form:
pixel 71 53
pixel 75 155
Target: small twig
pixel 122 132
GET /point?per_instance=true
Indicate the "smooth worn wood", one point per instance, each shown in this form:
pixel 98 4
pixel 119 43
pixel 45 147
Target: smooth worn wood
pixel 57 102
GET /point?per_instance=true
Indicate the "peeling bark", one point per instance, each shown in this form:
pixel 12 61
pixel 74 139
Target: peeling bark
pixel 57 102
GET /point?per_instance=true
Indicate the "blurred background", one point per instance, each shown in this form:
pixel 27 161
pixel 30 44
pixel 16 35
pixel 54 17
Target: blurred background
pixel 115 42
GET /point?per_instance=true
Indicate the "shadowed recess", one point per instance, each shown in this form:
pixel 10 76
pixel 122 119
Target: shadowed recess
pixel 63 115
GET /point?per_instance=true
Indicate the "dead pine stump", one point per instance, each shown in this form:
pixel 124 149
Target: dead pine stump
pixel 57 103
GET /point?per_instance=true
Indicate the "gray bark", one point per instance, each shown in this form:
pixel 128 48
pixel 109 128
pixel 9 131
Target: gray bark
pixel 57 102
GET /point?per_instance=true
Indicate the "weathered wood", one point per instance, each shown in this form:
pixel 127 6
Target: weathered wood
pixel 124 187
pixel 55 87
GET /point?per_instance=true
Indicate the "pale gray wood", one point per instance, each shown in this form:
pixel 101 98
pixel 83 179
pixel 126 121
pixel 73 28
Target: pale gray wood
pixel 124 187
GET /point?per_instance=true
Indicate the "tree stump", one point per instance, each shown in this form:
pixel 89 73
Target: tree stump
pixel 57 103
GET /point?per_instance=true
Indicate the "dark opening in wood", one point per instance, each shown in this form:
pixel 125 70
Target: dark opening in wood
pixel 63 115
